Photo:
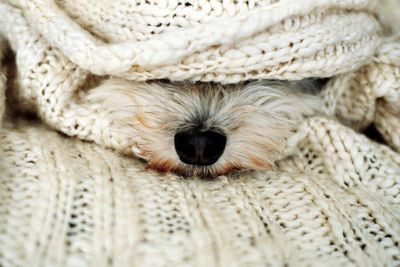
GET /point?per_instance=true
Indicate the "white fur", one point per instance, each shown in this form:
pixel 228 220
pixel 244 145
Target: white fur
pixel 256 117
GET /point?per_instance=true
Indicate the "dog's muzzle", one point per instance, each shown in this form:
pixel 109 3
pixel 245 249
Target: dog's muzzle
pixel 197 147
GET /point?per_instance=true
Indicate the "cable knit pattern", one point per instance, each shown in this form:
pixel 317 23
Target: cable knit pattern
pixel 334 199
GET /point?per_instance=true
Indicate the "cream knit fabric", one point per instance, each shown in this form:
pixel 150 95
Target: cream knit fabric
pixel 60 45
pixel 63 202
pixel 333 201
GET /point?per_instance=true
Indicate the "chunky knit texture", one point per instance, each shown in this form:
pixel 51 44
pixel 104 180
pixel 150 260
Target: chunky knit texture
pixel 225 42
pixel 333 201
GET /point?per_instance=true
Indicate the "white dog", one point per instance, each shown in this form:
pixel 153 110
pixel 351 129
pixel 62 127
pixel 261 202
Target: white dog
pixel 208 129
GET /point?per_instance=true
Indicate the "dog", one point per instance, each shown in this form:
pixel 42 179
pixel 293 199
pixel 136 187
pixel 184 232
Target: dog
pixel 208 129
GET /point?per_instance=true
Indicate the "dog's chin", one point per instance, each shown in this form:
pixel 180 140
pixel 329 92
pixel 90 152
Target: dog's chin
pixel 186 170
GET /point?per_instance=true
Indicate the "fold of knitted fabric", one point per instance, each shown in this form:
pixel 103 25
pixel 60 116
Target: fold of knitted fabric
pixel 209 41
pixel 59 46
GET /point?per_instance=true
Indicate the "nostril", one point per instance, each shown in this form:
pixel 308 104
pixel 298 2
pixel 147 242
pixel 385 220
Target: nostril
pixel 195 147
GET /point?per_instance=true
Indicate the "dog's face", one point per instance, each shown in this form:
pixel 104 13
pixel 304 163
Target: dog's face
pixel 206 129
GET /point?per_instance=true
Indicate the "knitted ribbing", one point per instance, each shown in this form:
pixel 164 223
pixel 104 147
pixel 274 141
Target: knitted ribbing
pixel 63 202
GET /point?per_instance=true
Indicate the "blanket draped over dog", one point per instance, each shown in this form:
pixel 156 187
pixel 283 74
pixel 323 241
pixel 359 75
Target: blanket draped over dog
pixel 334 200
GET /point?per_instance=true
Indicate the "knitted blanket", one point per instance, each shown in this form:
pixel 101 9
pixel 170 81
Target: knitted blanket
pixel 334 199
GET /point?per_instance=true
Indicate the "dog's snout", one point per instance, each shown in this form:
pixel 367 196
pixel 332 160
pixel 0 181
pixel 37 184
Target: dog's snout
pixel 197 147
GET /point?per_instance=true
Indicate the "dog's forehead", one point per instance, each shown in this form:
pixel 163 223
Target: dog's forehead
pixel 208 87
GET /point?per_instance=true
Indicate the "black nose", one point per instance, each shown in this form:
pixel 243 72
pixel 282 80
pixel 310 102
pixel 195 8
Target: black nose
pixel 199 148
